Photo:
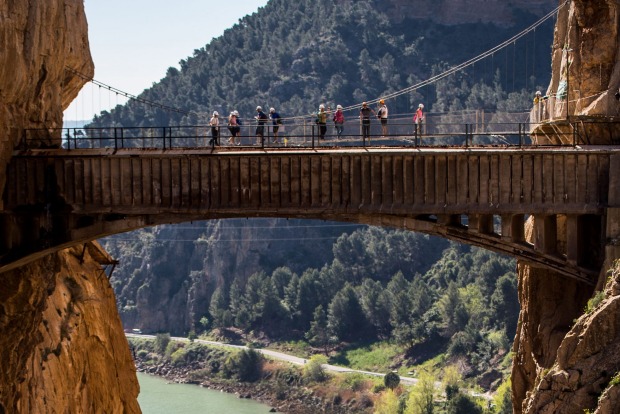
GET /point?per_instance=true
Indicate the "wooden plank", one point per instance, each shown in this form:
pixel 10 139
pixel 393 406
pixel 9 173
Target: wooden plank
pixel 254 175
pixel 336 181
pixel 558 180
pixel 157 182
pixel 216 183
pixel 175 182
pixel 494 180
pixel 548 180
pixel 185 177
pixel 582 179
pixel 147 181
pixel 462 180
pixel 315 184
pixel 115 182
pixel 68 181
pixel 285 181
pixel 126 182
pixel 234 184
pixel 275 167
pixel 473 172
pixel 441 180
pixel 376 181
pixel 326 180
pixel 224 171
pixel 245 182
pixel 516 179
pixel 505 180
pixel 387 177
pixel 430 180
pixel 452 182
pixel 40 173
pixel 356 181
pixel 408 180
pixel 398 181
pixel 106 181
pixel 136 180
pixel 166 182
pixel 570 179
pixel 537 178
pixel 485 177
pixel 603 180
pixel 366 175
pixel 305 181
pixel 87 181
pixel 296 177
pixel 419 178
pixel 31 181
pixel 345 194
pixel 265 182
pixel 527 180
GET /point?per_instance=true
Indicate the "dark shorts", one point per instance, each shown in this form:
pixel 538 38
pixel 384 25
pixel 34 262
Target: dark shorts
pixel 276 128
pixel 383 121
pixel 260 130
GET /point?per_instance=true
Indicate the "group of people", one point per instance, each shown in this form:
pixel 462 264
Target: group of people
pixel 365 114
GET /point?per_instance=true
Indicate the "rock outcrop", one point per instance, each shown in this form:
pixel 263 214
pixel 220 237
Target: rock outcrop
pixel 62 346
pixel 39 39
pixel 563 358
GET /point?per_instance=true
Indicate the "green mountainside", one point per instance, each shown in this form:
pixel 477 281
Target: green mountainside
pixel 331 284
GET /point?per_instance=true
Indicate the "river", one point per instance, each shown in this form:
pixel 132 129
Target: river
pixel 159 397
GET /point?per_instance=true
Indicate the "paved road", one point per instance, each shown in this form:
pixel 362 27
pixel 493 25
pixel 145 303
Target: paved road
pixel 282 357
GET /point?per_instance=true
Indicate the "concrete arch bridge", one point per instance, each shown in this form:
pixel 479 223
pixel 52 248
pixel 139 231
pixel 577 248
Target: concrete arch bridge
pixel 482 196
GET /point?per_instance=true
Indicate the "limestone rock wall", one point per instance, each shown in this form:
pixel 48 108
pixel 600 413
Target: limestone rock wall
pixel 62 345
pixel 38 40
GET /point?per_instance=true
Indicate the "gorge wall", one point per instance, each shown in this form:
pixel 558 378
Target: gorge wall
pixel 565 359
pixel 62 347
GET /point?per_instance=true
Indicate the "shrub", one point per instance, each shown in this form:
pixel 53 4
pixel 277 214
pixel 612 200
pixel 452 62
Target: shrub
pixel 245 365
pixel 161 342
pixel 178 357
pixel 313 369
pixel 391 380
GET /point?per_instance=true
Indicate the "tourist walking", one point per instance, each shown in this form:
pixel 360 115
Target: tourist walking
pixel 365 114
pixel 321 120
pixel 339 120
pixel 215 130
pixel 232 127
pixel 238 128
pixel 276 120
pixel 261 119
pixel 418 118
pixel 382 114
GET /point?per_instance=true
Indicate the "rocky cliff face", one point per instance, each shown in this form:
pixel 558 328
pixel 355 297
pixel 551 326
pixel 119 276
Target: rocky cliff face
pixel 39 39
pixel 564 360
pixel 62 347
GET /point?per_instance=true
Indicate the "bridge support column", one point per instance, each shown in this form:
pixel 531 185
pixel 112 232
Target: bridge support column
pixel 546 233
pixel 513 228
pixel 481 223
pixel 573 239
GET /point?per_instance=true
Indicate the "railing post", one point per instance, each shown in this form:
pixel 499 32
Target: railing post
pixel 170 137
pixel 313 136
pixel 164 136
pixel 115 140
pixel 520 134
pixel 466 135
pixel 574 134
pixel 122 137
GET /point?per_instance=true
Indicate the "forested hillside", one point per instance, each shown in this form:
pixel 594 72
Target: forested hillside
pixel 331 283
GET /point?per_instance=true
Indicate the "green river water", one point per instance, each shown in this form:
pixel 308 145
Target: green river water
pixel 159 397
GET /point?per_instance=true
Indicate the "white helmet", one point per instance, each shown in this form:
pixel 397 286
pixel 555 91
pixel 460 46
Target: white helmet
pixel 321 106
pixel 258 108
pixel 236 112
pixel 338 106
pixel 538 93
pixel 215 113
pixel 421 106
pixel 272 110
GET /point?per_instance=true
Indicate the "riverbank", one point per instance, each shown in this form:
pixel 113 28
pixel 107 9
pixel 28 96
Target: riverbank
pixel 280 385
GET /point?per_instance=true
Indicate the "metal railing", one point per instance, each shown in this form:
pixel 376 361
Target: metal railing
pixel 306 135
